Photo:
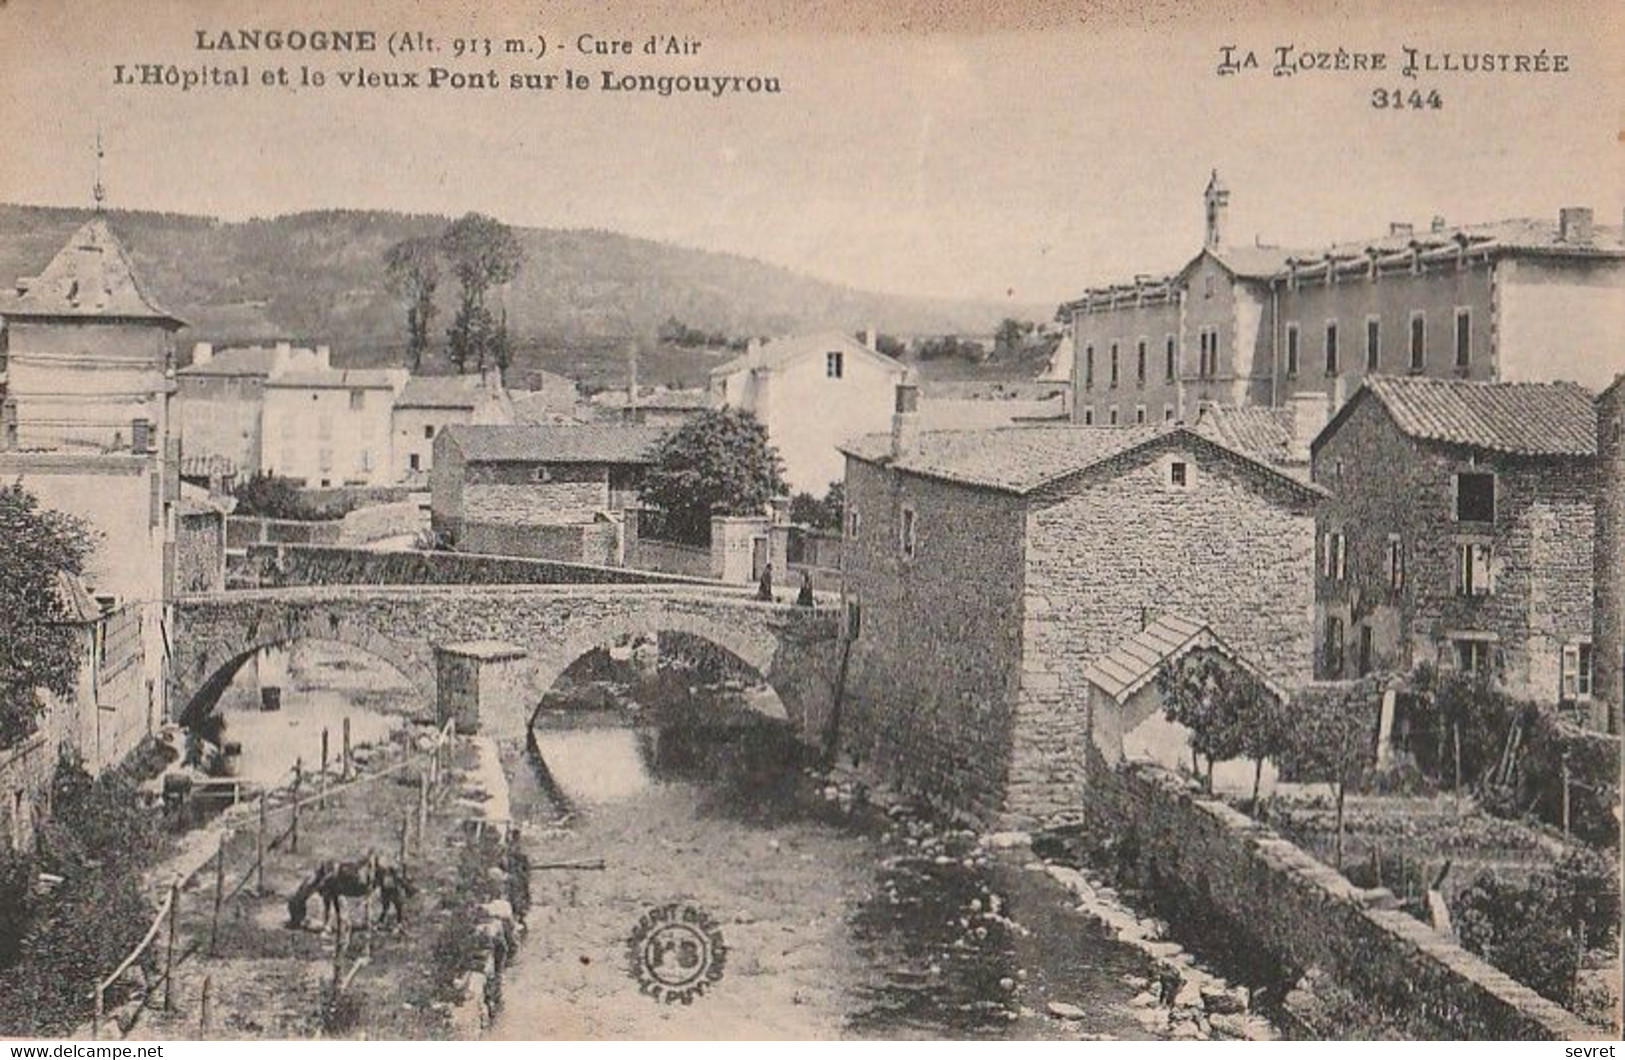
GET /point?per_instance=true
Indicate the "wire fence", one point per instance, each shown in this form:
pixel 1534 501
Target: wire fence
pixel 433 764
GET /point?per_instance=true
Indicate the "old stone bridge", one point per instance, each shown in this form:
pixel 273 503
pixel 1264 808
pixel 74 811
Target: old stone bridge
pixel 551 625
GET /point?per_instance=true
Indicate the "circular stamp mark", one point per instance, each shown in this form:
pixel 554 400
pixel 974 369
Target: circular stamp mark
pixel 676 952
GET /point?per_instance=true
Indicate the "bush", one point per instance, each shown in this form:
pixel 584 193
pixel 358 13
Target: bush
pixel 271 497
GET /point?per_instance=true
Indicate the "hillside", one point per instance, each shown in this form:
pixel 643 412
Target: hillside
pixel 318 277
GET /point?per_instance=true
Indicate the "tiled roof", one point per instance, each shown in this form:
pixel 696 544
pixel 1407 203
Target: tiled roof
pixel 439 392
pixel 1134 663
pixel 1528 419
pixel 339 379
pixel 658 398
pixel 1021 459
pixel 76 599
pixel 207 465
pixel 89 277
pixel 783 350
pixel 240 360
pixel 586 444
pixel 1262 433
pixel 1254 263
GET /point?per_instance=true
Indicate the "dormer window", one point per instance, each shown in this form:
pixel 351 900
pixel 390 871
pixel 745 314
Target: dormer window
pixel 834 364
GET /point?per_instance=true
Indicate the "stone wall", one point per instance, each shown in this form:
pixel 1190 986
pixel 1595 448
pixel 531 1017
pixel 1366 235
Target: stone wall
pixel 290 565
pixel 651 554
pixel 245 530
pixel 1233 549
pixel 1608 644
pixel 200 552
pixel 25 788
pixel 1307 915
pixel 576 543
pixel 934 669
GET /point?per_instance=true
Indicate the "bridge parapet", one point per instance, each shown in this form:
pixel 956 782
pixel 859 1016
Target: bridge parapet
pixel 280 565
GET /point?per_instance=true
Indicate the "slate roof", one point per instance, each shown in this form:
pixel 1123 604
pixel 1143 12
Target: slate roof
pixel 586 444
pixel 1134 663
pixel 90 277
pixel 1522 419
pixel 439 392
pixel 780 351
pixel 1021 459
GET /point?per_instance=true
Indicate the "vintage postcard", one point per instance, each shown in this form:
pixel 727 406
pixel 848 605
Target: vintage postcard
pixel 1031 521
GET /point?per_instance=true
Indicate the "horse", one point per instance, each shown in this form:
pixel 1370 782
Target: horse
pixel 337 880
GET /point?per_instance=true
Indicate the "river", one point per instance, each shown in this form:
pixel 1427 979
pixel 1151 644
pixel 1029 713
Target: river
pixel 838 920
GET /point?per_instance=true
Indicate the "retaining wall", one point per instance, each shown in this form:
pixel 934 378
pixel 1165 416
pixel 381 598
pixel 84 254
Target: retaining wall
pixel 1307 915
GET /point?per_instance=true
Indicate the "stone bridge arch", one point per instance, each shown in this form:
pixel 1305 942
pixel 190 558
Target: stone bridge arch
pixel 206 665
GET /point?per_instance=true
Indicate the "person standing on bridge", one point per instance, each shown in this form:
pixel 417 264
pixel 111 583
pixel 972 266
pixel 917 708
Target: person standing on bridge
pixel 805 597
pixel 764 587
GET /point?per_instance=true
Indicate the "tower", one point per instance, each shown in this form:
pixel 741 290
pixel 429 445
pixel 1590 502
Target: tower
pixel 1217 200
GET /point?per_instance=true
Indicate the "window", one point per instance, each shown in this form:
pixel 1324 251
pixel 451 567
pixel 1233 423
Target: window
pixel 1366 649
pixel 1331 347
pixel 1464 338
pixel 1334 555
pixel 1167 414
pixel 1577 670
pixel 1474 574
pixel 1332 648
pixel 541 474
pixel 1292 350
pixel 833 364
pixel 1207 286
pixel 1113 416
pixel 1171 356
pixel 1179 474
pixel 428 430
pixel 854 523
pixel 1209 365
pixel 1140 365
pixel 1114 366
pixel 1089 367
pixel 1139 413
pixel 358 400
pixel 907 533
pixel 366 459
pixel 1419 342
pixel 1089 416
pixel 1396 563
pixel 1373 343
pixel 1475 497
pixel 414 462
pixel 1474 655
pixel 854 620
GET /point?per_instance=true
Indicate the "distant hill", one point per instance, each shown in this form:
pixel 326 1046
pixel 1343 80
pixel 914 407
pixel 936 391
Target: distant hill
pixel 318 277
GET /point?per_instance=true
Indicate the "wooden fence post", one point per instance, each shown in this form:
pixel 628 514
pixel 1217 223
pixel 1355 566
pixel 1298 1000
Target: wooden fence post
pixel 346 774
pixel 423 804
pixel 169 948
pixel 96 1018
pixel 298 783
pixel 219 893
pixel 203 1007
pixel 323 801
pixel 406 833
pixel 1565 795
pixel 259 853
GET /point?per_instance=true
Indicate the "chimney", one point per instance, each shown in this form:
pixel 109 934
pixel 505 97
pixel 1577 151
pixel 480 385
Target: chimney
pixel 1311 410
pixel 871 339
pixel 202 353
pixel 1574 224
pixel 905 420
pixel 324 357
pixel 1401 228
pixel 1438 223
pixel 279 359
pixel 1217 200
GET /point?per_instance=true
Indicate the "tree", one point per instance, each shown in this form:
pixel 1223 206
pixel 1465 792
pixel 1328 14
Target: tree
pixel 1229 712
pixel 412 273
pixel 270 497
pixel 824 513
pixel 37 648
pixel 484 253
pixel 718 462
pixel 1332 737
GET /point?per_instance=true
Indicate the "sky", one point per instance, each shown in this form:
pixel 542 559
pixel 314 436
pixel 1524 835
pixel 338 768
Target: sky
pixel 1023 151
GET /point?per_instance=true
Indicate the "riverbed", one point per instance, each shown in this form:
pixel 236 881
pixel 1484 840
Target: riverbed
pixel 840 920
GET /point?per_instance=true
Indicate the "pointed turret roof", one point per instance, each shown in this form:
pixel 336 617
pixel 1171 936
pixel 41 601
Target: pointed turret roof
pixel 90 278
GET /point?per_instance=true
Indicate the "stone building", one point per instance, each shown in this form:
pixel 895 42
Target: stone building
pixel 220 399
pixel 331 427
pixel 811 392
pixel 428 404
pixel 1256 325
pixel 86 358
pixel 549 492
pixel 984 570
pixel 1608 645
pixel 1459 532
